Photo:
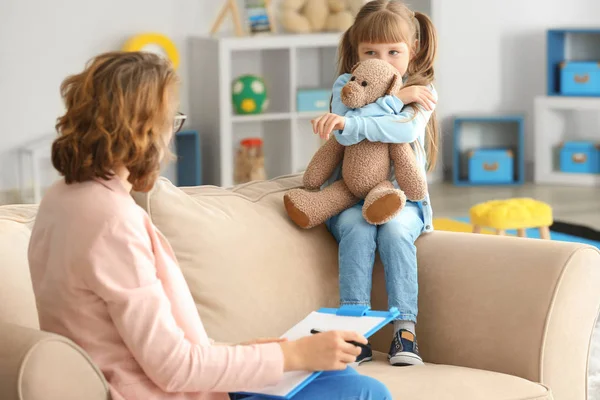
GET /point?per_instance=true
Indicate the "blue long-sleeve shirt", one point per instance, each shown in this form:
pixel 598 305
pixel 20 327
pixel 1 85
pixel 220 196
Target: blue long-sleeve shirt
pixel 387 121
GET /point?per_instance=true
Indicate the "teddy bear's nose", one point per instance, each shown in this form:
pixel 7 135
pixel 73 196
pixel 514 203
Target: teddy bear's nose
pixel 346 90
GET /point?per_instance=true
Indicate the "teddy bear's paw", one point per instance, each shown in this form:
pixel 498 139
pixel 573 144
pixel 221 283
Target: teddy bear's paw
pixel 382 205
pixel 293 204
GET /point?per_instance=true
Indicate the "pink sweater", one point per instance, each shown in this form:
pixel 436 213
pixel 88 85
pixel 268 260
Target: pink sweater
pixel 106 278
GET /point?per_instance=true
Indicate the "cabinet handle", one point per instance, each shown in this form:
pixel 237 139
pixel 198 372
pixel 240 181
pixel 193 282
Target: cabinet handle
pixel 579 158
pixel 585 78
pixel 490 167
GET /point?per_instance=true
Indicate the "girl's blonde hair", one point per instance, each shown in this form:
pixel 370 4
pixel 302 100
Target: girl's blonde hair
pixel 390 21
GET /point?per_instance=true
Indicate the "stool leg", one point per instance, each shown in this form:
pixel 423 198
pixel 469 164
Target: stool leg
pixel 500 232
pixel 476 229
pixel 545 232
pixel 521 233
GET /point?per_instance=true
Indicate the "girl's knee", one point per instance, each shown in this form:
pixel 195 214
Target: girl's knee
pixel 398 233
pixel 352 222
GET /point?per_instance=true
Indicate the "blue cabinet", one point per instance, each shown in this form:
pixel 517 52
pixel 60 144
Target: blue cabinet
pixel 316 100
pixel 189 160
pixel 571 73
pixel 580 157
pixel 491 166
pixel 489 150
pixel 580 78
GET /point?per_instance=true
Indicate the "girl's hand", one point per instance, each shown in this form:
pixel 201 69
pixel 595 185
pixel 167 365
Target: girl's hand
pixel 325 124
pixel 417 94
pixel 263 341
pixel 328 351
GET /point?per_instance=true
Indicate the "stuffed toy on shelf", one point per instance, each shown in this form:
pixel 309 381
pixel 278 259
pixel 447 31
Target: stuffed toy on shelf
pixel 310 16
pixel 365 166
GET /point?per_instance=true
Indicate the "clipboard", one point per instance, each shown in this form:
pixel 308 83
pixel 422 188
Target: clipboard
pixel 349 318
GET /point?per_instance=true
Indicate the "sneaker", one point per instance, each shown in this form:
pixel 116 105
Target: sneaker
pixel 365 355
pixel 404 350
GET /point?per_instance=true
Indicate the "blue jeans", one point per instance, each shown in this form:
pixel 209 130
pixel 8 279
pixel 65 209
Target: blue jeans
pixel 358 240
pixel 341 385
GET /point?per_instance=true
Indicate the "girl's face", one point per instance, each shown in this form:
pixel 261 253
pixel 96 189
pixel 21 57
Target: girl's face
pixel 397 54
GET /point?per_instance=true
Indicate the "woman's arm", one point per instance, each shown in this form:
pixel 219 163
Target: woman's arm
pixel 369 124
pixel 123 274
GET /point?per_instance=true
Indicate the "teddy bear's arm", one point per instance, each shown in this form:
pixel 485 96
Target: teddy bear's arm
pixel 323 163
pixel 409 176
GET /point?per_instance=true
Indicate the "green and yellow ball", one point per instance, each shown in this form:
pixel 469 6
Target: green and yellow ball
pixel 249 95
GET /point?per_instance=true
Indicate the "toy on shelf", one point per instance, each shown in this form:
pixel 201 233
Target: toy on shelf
pixel 489 150
pixel 308 16
pixel 582 157
pixel 230 7
pixel 573 62
pixel 517 213
pixel 155 43
pixel 250 161
pixel 258 15
pixel 249 95
pixel 313 100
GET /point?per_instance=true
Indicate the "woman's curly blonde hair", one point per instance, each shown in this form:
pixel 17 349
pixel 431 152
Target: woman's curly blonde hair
pixel 118 114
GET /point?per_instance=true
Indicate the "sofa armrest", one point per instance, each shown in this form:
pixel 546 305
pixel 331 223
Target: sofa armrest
pixel 36 365
pixel 524 307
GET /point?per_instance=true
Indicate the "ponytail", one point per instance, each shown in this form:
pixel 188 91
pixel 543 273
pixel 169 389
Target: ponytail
pixel 421 72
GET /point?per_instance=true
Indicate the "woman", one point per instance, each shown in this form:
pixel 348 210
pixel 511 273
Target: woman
pixel 105 277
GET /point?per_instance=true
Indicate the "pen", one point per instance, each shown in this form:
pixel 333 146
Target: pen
pixel 315 331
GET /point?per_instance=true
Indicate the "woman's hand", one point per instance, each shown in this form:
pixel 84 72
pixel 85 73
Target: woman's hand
pixel 263 341
pixel 326 351
pixel 327 123
pixel 417 94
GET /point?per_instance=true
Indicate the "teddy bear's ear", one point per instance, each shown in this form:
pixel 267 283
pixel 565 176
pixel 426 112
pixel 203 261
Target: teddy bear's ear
pixel 395 85
pixel 355 66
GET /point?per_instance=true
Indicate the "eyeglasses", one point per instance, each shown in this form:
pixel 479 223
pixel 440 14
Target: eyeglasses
pixel 178 122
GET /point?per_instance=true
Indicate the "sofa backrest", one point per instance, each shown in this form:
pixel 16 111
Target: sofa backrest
pixel 17 302
pixel 251 271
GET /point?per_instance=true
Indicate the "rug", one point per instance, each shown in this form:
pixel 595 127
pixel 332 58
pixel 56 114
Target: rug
pixel 560 231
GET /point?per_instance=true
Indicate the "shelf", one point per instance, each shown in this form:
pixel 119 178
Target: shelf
pixel 559 119
pixel 261 117
pixel 570 44
pixel 309 114
pixel 569 103
pixel 568 179
pixel 491 131
pixel 279 41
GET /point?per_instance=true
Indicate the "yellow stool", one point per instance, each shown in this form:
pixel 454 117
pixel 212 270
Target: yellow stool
pixel 519 214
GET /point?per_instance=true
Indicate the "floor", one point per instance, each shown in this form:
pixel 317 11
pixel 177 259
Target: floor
pixel 575 204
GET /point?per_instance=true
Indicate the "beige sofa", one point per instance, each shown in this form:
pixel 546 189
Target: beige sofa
pixel 500 318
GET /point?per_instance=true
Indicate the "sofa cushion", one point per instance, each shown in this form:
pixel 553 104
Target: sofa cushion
pixel 229 241
pixel 443 382
pixel 17 302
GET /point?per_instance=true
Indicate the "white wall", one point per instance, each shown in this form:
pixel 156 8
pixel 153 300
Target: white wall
pixel 492 55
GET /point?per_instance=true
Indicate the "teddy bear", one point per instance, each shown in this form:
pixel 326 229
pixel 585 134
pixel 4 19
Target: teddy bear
pixel 307 16
pixel 366 166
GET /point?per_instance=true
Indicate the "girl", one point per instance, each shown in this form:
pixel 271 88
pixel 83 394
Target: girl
pixel 390 31
pixel 105 277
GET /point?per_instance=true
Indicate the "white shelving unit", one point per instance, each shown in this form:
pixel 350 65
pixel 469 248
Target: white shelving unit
pixel 558 119
pixel 287 63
